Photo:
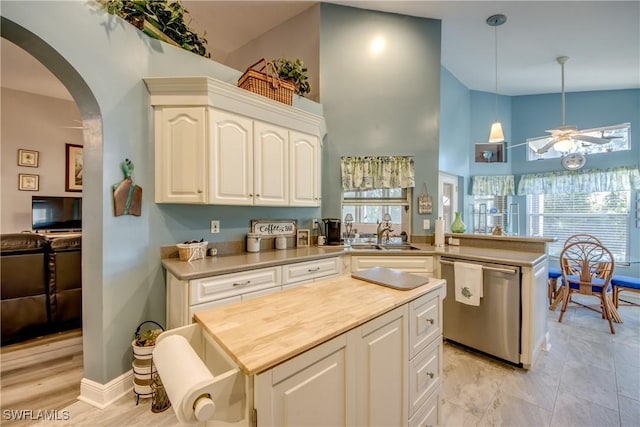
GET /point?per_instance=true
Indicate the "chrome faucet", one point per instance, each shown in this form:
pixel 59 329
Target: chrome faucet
pixel 381 231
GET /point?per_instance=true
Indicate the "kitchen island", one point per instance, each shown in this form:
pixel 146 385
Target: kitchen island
pixel 338 352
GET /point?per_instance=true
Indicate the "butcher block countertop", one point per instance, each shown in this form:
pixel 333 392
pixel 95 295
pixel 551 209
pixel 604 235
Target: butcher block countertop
pixel 260 333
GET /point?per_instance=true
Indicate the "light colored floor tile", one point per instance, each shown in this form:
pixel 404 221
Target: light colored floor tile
pixel 470 381
pixel 507 410
pixel 589 383
pixel 626 354
pixel 573 411
pixel 535 387
pixel 628 381
pixel 629 411
pixel 457 416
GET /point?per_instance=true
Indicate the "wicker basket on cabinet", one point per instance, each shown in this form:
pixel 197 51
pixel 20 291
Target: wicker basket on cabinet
pixel 265 81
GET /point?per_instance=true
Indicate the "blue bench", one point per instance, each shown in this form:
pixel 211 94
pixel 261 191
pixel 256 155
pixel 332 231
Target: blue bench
pixel 624 283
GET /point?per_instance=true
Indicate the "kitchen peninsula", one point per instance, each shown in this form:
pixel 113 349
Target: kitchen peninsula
pixel 215 281
pixel 371 353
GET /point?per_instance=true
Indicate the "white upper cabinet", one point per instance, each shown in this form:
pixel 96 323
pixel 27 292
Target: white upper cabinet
pixel 305 169
pixel 231 158
pixel 219 144
pixel 270 164
pixel 181 167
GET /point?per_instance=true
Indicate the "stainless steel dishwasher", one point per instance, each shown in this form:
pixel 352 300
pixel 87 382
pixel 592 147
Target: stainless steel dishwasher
pixel 493 327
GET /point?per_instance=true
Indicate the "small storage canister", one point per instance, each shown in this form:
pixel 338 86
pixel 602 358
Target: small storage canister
pixel 253 242
pixel 281 242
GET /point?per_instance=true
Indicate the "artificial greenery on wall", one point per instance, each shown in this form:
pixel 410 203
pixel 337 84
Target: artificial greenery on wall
pixel 159 19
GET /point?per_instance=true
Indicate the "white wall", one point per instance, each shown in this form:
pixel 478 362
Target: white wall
pixel 33 122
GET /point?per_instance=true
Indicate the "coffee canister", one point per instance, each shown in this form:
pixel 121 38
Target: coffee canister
pixel 281 242
pixel 253 242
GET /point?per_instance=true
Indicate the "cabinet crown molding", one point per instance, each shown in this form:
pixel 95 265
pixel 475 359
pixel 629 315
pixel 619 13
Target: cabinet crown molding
pixel 206 91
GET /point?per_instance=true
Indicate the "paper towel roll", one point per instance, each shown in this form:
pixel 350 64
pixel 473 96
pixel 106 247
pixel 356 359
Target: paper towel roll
pixel 185 378
pixel 439 233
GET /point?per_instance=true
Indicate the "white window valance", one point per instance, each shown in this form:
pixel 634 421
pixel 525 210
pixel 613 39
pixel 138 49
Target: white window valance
pixel 377 172
pixel 497 185
pixel 588 181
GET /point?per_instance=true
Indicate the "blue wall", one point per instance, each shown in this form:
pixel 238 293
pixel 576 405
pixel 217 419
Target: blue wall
pixel 385 104
pixel 529 116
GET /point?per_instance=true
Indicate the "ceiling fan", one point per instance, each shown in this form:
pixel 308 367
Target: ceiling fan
pixel 564 137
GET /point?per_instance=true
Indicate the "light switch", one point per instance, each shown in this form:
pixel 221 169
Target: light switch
pixel 426 224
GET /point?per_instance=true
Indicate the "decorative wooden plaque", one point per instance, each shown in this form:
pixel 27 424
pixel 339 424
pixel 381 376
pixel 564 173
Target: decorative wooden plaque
pixel 274 227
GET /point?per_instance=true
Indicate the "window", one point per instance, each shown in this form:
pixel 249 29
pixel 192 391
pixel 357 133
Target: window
pixel 368 207
pixel 619 143
pixel 604 215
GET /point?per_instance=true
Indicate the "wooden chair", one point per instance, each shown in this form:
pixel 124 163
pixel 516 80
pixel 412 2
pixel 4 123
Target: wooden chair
pixel 587 268
pixel 555 292
pixel 622 284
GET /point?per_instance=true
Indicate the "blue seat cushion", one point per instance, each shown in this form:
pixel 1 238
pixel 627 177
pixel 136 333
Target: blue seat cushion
pixel 596 283
pixel 554 273
pixel 626 281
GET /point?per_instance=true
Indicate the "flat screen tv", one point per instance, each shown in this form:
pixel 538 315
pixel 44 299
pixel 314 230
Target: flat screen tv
pixel 56 213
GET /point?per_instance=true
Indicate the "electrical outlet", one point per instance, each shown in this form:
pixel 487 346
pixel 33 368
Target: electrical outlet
pixel 315 224
pixel 215 226
pixel 426 224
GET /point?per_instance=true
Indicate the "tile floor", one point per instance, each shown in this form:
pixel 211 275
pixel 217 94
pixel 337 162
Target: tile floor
pixel 588 378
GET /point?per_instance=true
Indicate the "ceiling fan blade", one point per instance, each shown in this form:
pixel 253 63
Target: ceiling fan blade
pixel 548 145
pixel 516 145
pixel 591 139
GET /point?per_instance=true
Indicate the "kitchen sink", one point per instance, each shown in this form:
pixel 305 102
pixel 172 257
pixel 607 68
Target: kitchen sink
pixel 388 247
pixel 364 246
pixel 399 247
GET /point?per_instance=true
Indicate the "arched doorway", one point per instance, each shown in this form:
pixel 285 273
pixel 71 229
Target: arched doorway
pixel 92 161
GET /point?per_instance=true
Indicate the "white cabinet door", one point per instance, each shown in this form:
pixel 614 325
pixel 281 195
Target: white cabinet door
pixel 270 164
pixel 308 390
pixel 305 169
pixel 231 153
pixel 382 371
pixel 181 157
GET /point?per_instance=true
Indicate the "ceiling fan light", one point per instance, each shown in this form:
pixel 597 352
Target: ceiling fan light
pixel 564 145
pixel 496 134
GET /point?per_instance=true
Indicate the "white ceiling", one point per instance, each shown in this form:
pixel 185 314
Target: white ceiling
pixel 602 38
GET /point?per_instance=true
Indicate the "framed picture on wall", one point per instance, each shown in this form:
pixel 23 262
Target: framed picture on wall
pixel 73 168
pixel 28 182
pixel 490 153
pixel 28 158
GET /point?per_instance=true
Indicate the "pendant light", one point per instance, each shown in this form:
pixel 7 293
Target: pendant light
pixel 496 134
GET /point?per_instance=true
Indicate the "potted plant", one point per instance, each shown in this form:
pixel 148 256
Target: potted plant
pixel 159 19
pixel 144 342
pixel 295 72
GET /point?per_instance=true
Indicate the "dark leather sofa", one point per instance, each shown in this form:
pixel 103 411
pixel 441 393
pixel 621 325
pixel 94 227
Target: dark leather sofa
pixel 41 285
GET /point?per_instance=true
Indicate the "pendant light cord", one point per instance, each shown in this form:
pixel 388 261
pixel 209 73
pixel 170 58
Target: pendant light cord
pixel 496 46
pixel 562 76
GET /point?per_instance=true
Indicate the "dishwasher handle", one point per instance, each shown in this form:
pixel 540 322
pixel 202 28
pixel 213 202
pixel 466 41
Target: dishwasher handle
pixel 489 268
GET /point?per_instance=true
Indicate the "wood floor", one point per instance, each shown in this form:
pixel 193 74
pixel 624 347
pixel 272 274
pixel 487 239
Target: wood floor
pixel 44 372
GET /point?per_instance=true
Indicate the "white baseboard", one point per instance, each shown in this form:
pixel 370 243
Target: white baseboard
pixel 103 395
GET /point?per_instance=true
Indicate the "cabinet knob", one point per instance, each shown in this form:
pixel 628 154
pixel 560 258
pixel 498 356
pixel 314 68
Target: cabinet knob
pixel 257 195
pixel 430 374
pixel 199 191
pixel 430 321
pixel 250 195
